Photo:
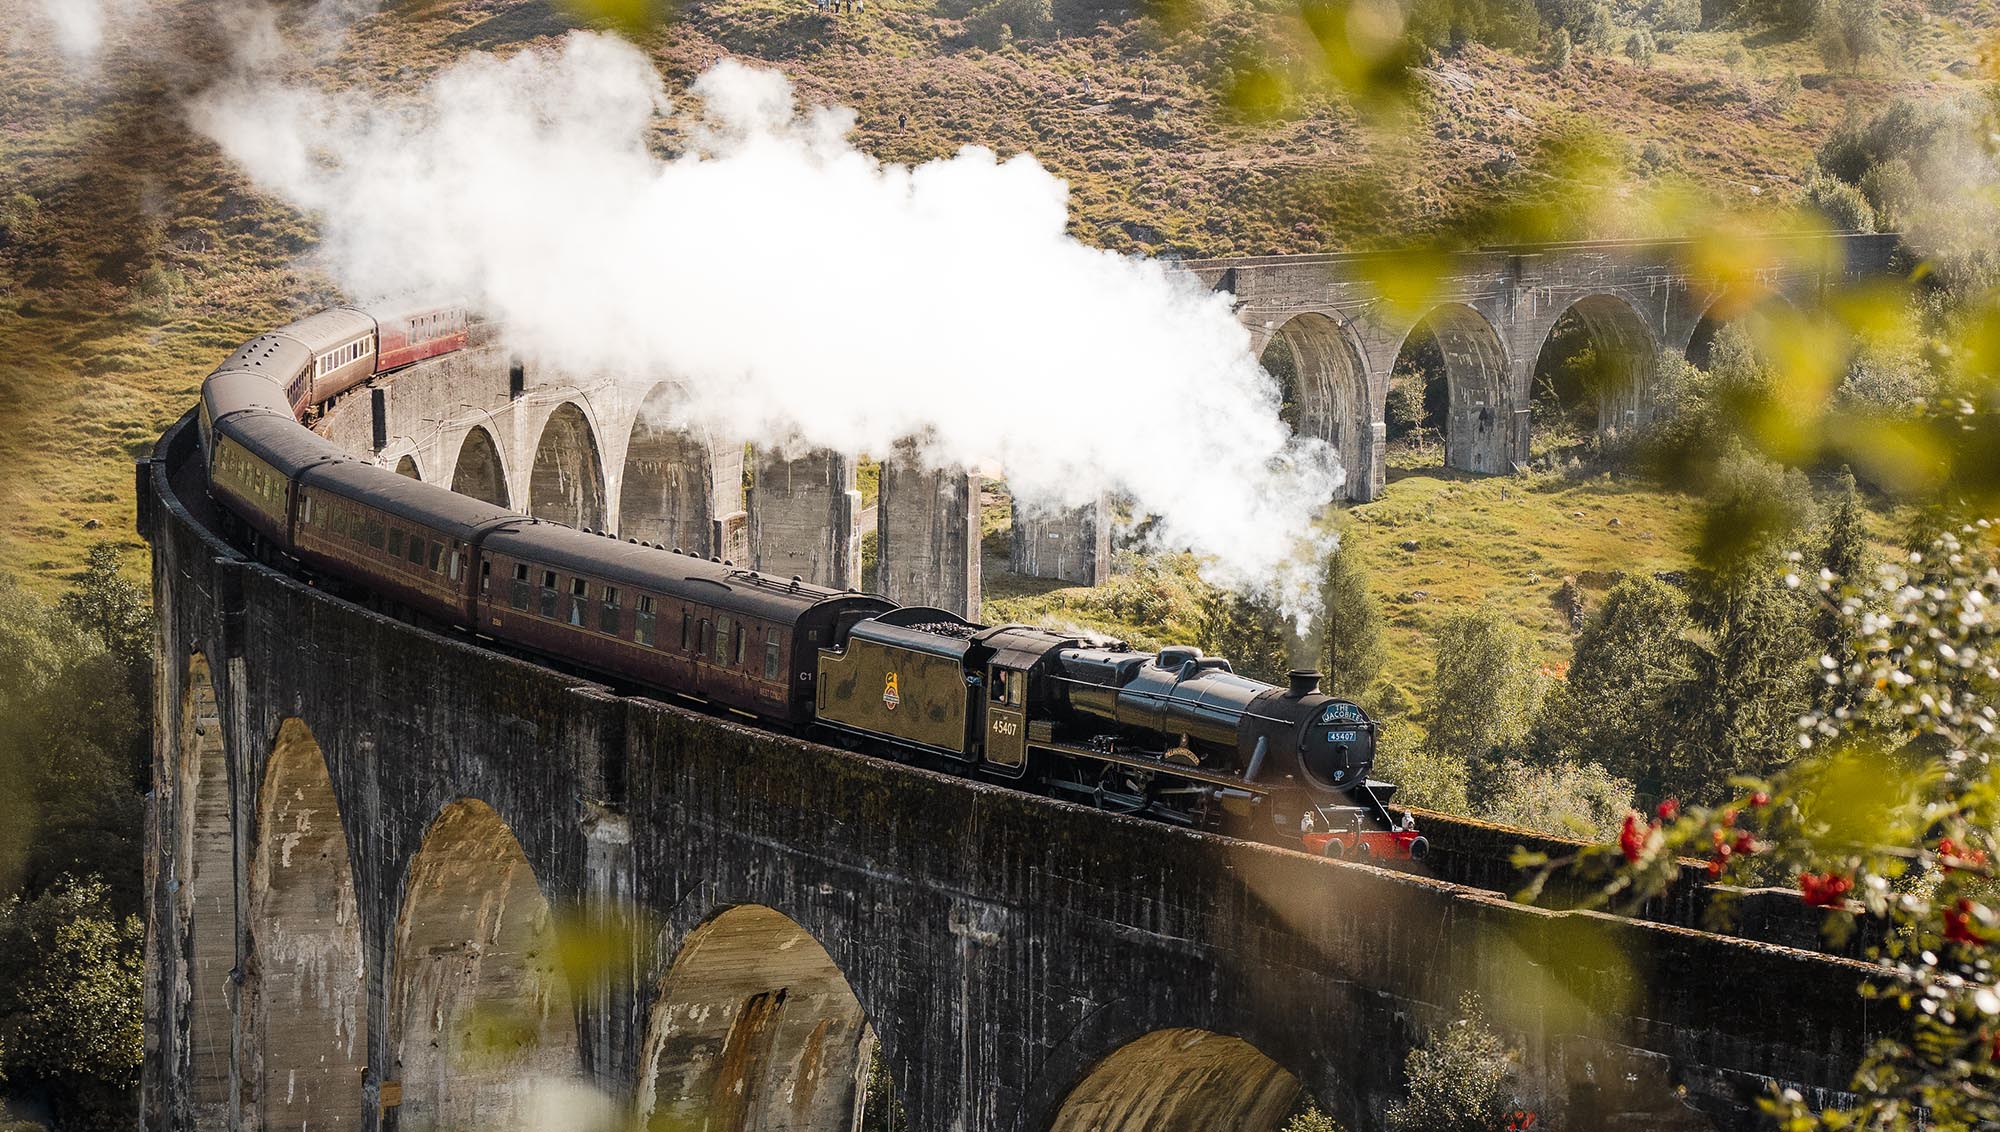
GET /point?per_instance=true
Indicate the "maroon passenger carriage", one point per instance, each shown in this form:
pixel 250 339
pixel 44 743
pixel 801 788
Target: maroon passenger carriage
pixel 1173 736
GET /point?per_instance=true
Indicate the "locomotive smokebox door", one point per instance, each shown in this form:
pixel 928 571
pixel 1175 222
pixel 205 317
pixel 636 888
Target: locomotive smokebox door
pixel 1006 716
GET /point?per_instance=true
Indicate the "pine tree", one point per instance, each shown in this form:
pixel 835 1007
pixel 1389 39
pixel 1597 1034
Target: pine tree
pixel 1351 626
pixel 1632 665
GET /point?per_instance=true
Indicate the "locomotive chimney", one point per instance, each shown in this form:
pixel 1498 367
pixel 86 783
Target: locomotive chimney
pixel 1304 683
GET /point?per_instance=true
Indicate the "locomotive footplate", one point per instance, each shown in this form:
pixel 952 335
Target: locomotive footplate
pixel 1156 765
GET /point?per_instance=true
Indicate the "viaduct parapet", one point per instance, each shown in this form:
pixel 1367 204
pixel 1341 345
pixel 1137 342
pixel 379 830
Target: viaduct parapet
pixel 398 881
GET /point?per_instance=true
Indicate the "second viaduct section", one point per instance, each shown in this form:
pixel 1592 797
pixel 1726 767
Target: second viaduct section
pixel 623 458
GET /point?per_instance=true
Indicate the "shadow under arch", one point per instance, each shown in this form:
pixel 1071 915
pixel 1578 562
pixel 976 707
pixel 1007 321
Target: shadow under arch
pixel 1616 385
pixel 1180 1080
pixel 309 980
pixel 1479 410
pixel 479 471
pixel 1324 387
pixel 566 484
pixel 754 1027
pixel 407 467
pixel 205 911
pixel 1736 306
pixel 483 1027
pixel 668 488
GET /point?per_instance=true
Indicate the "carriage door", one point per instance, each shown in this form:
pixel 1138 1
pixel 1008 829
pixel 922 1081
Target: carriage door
pixel 1006 717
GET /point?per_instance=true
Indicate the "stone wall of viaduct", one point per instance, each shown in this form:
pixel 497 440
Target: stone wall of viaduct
pixel 613 456
pixel 397 881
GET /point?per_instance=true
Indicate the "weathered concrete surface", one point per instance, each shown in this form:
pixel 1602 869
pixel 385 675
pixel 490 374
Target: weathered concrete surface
pixel 1001 946
pixel 802 518
pixel 1072 545
pixel 927 527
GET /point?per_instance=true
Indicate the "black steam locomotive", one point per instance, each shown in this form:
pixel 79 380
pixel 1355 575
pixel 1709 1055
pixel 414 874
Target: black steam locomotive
pixel 1175 736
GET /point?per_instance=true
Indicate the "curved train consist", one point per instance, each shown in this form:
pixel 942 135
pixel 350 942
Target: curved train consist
pixel 1174 736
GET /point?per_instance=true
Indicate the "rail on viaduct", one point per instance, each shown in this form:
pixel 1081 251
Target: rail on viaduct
pixel 397 881
pixel 614 457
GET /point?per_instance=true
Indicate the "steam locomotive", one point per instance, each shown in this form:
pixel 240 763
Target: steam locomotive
pixel 1174 736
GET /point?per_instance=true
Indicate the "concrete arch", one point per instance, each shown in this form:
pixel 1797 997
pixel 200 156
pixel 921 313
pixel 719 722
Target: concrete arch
pixel 1180 1080
pixel 310 1011
pixel 479 471
pixel 1619 382
pixel 205 910
pixel 1326 396
pixel 407 466
pixel 668 489
pixel 566 484
pixel 483 1027
pixel 754 1027
pixel 1479 422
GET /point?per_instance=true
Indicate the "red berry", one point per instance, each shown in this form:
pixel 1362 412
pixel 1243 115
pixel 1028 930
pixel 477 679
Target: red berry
pixel 1631 839
pixel 1669 809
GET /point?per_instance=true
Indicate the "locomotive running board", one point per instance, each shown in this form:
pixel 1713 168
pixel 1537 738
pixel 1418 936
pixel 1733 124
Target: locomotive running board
pixel 1142 762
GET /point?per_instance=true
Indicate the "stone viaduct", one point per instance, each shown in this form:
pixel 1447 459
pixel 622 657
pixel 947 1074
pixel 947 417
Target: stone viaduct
pixel 397 881
pixel 614 457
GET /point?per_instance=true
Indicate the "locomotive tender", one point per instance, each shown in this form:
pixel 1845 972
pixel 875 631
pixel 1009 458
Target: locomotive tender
pixel 1174 736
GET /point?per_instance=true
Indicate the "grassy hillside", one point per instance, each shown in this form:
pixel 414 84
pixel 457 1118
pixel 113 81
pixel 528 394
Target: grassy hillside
pixel 131 258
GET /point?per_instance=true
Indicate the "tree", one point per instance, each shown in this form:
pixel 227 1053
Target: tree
pixel 1557 58
pixel 1849 31
pixel 111 608
pixel 1640 48
pixel 1252 636
pixel 1677 15
pixel 1352 626
pixel 71 1001
pixel 1485 691
pixel 1460 1081
pixel 1632 662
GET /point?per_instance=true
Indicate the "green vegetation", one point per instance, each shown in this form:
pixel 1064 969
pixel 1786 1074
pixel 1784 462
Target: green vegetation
pixel 74 754
pixel 1462 1080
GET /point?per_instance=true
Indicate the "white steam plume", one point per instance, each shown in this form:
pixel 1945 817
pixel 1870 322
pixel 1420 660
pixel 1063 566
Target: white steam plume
pixel 79 26
pixel 804 292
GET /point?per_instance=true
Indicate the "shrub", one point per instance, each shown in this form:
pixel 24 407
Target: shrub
pixel 993 25
pixel 1843 206
pixel 1459 1081
pixel 1423 777
pixel 1570 799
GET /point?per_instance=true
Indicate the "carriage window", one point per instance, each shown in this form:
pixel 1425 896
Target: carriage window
pixel 549 593
pixel 687 630
pixel 455 566
pixel 437 559
pixel 702 642
pixel 375 533
pixel 520 595
pixel 485 575
pixel 770 654
pixel 396 542
pixel 608 616
pixel 737 660
pixel 722 639
pixel 642 622
pixel 417 550
pixel 579 596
